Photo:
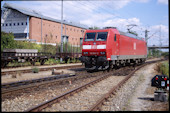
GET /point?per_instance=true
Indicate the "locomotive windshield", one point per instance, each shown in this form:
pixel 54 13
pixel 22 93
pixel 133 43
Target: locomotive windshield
pixel 90 36
pixel 101 36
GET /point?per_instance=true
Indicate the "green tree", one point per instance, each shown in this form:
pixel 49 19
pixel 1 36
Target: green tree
pixel 7 40
pixel 94 27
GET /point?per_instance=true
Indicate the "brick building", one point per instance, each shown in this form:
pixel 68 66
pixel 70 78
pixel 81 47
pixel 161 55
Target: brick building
pixel 27 24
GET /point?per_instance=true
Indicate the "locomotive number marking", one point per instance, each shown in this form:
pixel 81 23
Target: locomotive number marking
pixel 94 47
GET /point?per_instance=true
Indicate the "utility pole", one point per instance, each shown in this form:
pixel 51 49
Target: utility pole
pixel 41 30
pixel 146 39
pixel 160 42
pixel 146 35
pixel 61 51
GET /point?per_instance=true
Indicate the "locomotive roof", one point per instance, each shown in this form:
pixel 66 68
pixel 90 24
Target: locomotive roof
pixel 130 35
pixel 125 33
pixel 122 33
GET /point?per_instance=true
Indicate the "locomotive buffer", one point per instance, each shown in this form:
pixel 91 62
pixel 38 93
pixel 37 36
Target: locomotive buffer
pixel 161 82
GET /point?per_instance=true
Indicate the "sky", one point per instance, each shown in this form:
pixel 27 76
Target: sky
pixel 152 15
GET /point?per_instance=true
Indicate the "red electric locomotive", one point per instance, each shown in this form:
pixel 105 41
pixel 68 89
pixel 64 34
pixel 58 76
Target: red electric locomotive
pixel 109 48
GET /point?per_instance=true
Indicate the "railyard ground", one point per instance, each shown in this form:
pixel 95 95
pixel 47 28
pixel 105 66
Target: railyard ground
pixel 141 98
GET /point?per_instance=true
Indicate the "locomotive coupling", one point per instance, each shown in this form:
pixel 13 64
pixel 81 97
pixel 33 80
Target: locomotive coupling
pixel 100 59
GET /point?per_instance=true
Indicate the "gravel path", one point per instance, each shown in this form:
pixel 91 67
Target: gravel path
pixel 83 100
pixel 138 101
pixel 137 94
pixel 143 97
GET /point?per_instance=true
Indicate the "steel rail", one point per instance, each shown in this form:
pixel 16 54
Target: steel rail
pixel 39 82
pixel 3 73
pixel 58 98
pixel 26 82
pixel 99 103
pixel 59 80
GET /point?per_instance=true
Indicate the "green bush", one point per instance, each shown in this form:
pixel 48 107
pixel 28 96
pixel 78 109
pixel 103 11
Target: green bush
pixel 52 61
pixel 7 41
pixel 164 68
pixel 35 70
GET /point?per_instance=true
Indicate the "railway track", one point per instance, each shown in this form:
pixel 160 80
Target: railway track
pixel 64 81
pixel 81 100
pixel 13 88
pixel 41 68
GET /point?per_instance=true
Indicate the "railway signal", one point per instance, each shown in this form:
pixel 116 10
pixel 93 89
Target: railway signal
pixel 161 82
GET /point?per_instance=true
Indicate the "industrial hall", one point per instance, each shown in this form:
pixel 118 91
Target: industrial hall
pixel 30 25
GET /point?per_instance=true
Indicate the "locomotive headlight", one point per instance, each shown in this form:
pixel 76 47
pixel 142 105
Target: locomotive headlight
pixel 85 53
pixel 102 53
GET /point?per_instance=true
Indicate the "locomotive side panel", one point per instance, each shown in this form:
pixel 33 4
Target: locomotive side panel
pixel 131 48
pixel 125 45
pixel 141 48
pixel 112 48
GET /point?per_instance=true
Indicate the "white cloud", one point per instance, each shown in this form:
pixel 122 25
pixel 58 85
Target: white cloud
pixel 163 1
pixel 142 1
pixel 161 35
pixel 94 13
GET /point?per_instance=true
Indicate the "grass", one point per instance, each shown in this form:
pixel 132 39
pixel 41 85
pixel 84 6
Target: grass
pixel 50 61
pixel 35 70
pixel 164 68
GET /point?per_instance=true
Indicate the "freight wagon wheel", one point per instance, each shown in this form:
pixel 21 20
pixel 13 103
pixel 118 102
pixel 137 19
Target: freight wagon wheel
pixel 32 61
pixel 66 59
pixel 42 62
pixel 4 64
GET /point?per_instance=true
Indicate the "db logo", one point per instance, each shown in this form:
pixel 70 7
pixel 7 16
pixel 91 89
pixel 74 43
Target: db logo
pixel 94 47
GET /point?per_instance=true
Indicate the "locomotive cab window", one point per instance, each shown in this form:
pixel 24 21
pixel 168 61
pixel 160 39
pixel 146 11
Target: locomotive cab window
pixel 115 38
pixel 101 36
pixel 90 36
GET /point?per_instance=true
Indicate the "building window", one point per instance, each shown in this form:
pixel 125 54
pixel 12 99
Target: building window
pixel 56 37
pixel 10 24
pixel 2 24
pixel 82 30
pixel 20 35
pixel 70 29
pixel 26 23
pixel 22 23
pixel 6 24
pixel 18 24
pixel 14 24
